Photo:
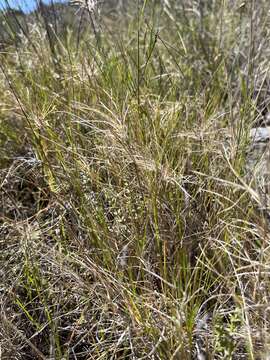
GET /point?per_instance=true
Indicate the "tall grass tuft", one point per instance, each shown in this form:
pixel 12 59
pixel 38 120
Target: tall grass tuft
pixel 130 228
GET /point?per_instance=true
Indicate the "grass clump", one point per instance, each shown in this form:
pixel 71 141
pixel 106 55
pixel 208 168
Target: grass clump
pixel 129 226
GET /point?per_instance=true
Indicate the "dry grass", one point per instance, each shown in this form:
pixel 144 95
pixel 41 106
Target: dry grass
pixel 129 229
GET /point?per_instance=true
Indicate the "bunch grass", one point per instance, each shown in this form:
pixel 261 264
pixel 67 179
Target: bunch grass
pixel 129 227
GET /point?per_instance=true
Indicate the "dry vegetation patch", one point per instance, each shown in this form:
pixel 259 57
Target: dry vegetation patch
pixel 131 227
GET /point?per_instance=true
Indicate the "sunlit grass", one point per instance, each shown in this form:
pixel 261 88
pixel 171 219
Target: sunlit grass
pixel 130 228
